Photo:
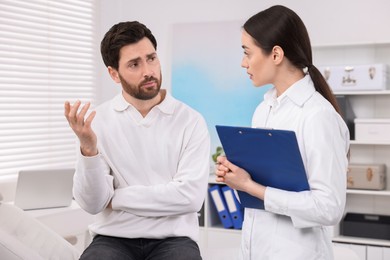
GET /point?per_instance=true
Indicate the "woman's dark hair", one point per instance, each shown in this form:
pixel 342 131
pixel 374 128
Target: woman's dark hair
pixel 279 25
pixel 120 35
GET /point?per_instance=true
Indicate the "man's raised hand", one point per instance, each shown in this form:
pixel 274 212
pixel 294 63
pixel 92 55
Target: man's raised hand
pixel 82 127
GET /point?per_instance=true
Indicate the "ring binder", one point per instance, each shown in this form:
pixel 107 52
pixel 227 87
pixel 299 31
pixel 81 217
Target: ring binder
pixel 220 205
pixel 234 207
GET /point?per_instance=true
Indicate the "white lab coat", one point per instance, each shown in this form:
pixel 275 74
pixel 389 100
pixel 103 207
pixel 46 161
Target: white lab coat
pixel 298 225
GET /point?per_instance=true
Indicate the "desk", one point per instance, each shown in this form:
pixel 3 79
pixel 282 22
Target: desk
pixel 69 222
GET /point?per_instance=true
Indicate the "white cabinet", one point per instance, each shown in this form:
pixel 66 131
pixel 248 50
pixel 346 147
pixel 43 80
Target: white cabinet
pixel 365 105
pixel 349 251
pixel 344 251
pixel 373 104
pixel 378 253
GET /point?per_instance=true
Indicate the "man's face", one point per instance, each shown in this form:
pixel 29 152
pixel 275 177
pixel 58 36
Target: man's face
pixel 139 70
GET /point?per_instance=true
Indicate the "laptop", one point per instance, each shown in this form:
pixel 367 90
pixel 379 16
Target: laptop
pixel 41 189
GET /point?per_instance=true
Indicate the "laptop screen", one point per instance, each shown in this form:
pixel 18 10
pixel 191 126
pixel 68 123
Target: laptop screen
pixel 47 188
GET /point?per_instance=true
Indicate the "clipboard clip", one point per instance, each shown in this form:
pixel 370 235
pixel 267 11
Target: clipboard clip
pixel 241 132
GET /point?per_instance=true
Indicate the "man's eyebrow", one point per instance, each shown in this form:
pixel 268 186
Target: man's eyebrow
pixel 151 54
pixel 244 47
pixel 138 59
pixel 135 60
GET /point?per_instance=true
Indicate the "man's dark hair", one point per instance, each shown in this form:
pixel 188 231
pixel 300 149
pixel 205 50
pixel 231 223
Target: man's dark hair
pixel 120 35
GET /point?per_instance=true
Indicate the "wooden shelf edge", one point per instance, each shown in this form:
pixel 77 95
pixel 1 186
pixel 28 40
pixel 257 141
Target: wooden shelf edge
pixel 369 143
pixel 369 192
pixel 221 229
pixel 361 93
pixel 350 44
pixel 361 241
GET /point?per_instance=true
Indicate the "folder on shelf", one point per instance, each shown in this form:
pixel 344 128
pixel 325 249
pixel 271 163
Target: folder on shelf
pixel 270 156
pixel 220 205
pixel 234 207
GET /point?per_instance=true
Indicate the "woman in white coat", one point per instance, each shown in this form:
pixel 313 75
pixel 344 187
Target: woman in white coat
pixel 293 225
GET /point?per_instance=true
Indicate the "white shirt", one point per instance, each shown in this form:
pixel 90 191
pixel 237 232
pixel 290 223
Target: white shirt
pixel 154 169
pixel 297 225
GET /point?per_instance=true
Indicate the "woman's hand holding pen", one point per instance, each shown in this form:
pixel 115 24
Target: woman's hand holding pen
pixel 237 178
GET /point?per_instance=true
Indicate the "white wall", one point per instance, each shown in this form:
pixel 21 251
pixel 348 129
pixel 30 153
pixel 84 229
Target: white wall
pixel 329 22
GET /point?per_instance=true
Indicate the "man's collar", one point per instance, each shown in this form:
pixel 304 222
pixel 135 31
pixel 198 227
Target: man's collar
pixel 167 106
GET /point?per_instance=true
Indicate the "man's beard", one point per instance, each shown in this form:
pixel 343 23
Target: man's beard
pixel 139 92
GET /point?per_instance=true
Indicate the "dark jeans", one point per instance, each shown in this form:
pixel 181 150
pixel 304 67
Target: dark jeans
pixel 115 248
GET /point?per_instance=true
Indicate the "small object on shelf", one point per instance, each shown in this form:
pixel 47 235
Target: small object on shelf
pixel 366 176
pixel 347 114
pixel 366 225
pixel 372 130
pixel 357 77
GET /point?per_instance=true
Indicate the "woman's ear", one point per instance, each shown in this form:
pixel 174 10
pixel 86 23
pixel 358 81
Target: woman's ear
pixel 114 74
pixel 277 54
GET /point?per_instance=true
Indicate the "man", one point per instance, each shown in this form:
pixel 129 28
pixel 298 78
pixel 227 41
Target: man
pixel 144 158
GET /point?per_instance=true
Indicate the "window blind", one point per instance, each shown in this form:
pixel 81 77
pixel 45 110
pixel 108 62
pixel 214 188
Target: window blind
pixel 47 56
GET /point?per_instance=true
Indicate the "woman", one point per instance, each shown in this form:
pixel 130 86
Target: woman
pixel 294 225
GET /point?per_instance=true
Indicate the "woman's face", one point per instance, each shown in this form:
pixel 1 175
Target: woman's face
pixel 259 66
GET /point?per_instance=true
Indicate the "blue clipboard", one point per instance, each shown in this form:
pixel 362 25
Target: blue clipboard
pixel 270 156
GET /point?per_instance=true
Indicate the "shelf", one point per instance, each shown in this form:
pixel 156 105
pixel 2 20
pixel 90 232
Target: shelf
pixel 213 181
pixel 365 104
pixel 369 142
pixel 352 44
pixel 369 192
pixel 362 92
pixel 349 191
pixel 227 230
pixel 362 241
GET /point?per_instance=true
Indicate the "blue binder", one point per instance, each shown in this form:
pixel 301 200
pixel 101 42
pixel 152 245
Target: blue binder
pixel 270 156
pixel 234 207
pixel 220 205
